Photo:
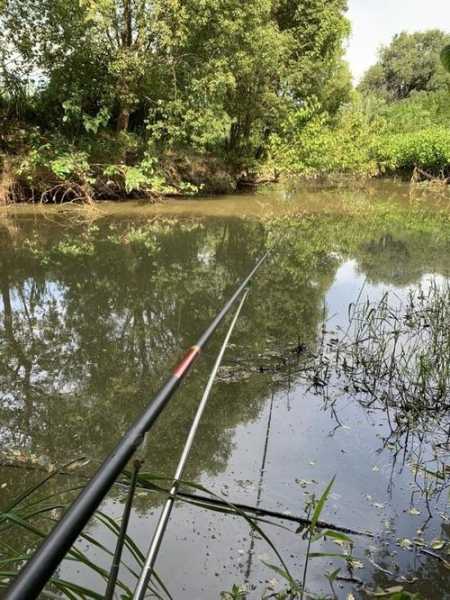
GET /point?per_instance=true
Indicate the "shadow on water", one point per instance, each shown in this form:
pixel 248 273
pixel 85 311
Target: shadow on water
pixel 94 311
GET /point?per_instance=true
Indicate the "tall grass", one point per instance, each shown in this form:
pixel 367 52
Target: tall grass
pixel 394 358
pixel 33 512
pixel 395 355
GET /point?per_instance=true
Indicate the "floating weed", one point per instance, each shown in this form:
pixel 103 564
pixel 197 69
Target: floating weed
pixel 312 529
pixel 31 514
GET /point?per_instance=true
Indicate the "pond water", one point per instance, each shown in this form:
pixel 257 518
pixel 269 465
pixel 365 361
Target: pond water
pixel 97 305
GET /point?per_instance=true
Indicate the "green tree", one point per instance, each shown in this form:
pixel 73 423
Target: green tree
pixel 411 63
pixel 223 78
pixel 316 30
pixel 206 73
pixel 88 52
pixel 243 66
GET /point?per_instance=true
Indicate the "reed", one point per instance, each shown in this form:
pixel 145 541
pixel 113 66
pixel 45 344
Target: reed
pixel 394 358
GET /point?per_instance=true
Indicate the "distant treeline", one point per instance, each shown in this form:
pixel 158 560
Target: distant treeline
pixel 397 120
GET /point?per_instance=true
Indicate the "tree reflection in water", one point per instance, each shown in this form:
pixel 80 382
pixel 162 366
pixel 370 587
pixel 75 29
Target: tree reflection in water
pixel 94 313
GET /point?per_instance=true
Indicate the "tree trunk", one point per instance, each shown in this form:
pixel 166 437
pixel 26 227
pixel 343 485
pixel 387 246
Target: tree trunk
pixel 127 41
pixel 127 35
pixel 123 120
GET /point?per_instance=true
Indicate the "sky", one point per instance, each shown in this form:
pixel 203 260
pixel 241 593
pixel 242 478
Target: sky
pixel 374 23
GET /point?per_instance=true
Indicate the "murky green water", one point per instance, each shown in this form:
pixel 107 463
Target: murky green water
pixel 96 306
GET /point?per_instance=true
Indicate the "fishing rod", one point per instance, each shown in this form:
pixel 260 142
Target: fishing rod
pixel 112 579
pixel 141 588
pixel 38 570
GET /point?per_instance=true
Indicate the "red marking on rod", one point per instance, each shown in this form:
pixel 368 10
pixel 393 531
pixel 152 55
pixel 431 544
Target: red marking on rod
pixel 186 362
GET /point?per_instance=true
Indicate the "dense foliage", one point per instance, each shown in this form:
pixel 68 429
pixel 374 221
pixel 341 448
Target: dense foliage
pixel 397 122
pixel 106 98
pixel 95 91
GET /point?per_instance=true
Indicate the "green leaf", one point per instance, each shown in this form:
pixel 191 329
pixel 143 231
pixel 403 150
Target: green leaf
pixel 135 179
pixel 332 576
pixel 34 488
pixel 392 593
pixel 331 555
pixel 437 544
pixel 278 570
pixel 341 537
pixel 320 504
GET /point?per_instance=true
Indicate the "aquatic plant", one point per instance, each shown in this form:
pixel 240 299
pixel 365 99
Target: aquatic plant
pixel 394 358
pixel 33 513
pixel 396 354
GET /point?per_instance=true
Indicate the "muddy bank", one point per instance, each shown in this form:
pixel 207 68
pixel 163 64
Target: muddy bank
pixel 75 178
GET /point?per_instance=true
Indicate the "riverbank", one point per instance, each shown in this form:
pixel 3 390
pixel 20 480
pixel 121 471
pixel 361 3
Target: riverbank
pixel 80 174
pixel 192 179
pixel 284 199
pixel 364 141
pixel 86 173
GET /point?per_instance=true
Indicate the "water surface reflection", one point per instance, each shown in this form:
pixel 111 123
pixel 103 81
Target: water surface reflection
pixel 94 312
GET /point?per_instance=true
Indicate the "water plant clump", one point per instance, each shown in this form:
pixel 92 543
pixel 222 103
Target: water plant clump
pixel 393 359
pixel 38 508
pixel 395 355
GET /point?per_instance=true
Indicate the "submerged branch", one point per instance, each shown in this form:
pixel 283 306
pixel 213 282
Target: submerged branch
pixel 204 501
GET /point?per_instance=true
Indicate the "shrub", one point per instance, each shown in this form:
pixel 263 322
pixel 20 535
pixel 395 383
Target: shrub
pixel 367 137
pixel 311 145
pixel 428 149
